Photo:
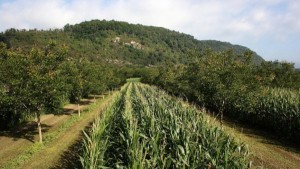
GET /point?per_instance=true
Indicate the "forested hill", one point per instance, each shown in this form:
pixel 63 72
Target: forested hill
pixel 120 42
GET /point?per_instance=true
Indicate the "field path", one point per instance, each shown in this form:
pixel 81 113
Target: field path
pixel 14 143
pixel 50 157
pixel 266 150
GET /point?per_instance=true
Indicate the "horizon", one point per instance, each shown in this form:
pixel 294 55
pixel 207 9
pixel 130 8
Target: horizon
pixel 270 28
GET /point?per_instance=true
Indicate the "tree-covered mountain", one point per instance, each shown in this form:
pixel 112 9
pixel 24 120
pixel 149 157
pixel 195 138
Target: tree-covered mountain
pixel 120 42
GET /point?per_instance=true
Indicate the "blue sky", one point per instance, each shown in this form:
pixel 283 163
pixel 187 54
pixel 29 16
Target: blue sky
pixel 269 27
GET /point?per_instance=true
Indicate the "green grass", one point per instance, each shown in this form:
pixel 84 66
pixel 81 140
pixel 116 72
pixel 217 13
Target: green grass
pixel 137 79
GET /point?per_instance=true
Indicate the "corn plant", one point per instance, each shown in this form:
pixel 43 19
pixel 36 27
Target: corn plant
pixel 279 109
pixel 146 128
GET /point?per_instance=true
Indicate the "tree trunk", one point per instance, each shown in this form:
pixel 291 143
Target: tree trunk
pixel 38 120
pixel 290 127
pixel 222 110
pixel 221 119
pixel 78 109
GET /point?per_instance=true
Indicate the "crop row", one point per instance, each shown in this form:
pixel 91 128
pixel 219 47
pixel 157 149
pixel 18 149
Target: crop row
pixel 275 109
pixel 146 128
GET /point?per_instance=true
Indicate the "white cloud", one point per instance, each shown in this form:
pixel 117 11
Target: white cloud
pixel 245 22
pixel 33 14
pixel 202 18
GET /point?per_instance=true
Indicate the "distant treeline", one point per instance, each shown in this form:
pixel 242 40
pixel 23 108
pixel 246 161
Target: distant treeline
pixel 96 40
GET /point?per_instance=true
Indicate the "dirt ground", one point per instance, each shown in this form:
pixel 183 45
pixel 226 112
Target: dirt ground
pixel 15 142
pixel 54 153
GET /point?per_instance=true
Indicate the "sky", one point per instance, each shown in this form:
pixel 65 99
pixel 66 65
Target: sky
pixel 269 27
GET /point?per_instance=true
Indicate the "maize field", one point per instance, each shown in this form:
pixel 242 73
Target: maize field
pixel 144 127
pixel 279 109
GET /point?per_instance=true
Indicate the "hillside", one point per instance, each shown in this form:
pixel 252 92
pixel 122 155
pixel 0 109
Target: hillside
pixel 120 42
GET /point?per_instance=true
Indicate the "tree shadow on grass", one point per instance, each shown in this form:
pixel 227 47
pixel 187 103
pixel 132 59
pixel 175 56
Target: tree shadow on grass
pixel 73 109
pixel 70 157
pixel 264 136
pixel 29 130
pixel 98 96
pixel 67 111
pixel 85 102
pixel 26 131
